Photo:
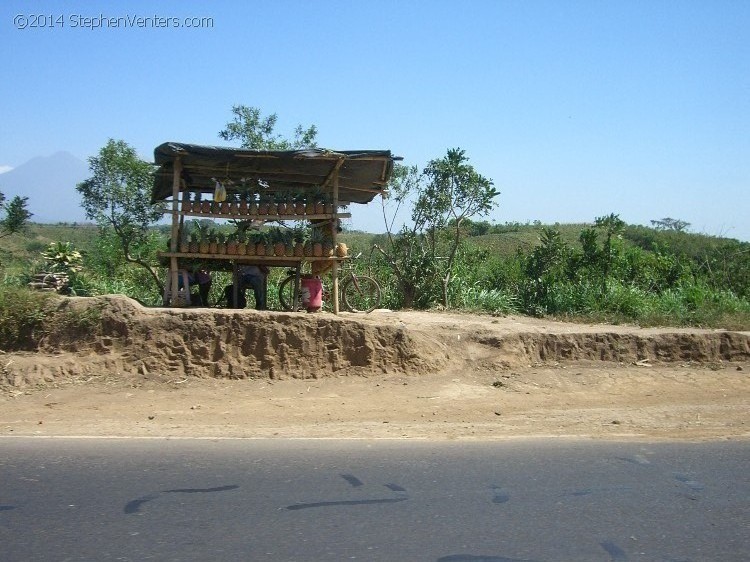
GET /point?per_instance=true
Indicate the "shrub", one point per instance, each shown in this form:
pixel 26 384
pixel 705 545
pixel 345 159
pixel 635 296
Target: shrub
pixel 22 313
pixel 488 300
pixel 70 322
pixel 28 317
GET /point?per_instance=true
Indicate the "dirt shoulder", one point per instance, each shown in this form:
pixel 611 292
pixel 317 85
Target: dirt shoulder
pixel 214 374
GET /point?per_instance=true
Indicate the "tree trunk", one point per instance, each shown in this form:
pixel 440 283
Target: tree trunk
pixel 446 284
pixel 128 258
pixel 153 273
pixel 409 292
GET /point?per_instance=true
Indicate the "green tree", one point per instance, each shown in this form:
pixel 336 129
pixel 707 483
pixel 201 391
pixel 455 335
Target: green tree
pixel 668 223
pixel 545 267
pixel 117 196
pixel 455 192
pixel 257 132
pixel 448 192
pixel 16 215
pixel 405 251
pixel 613 227
pixel 476 228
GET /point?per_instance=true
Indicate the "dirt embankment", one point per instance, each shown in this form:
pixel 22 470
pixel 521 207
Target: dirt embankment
pixel 211 372
pixel 214 343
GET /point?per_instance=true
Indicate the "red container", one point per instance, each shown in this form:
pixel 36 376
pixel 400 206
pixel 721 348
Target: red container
pixel 311 290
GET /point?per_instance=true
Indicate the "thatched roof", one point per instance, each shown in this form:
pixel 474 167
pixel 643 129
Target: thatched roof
pixel 363 174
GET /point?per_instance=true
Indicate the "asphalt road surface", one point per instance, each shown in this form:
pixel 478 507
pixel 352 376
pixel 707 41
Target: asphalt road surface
pixel 307 500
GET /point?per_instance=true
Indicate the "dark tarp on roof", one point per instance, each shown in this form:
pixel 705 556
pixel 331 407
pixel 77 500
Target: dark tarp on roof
pixel 363 174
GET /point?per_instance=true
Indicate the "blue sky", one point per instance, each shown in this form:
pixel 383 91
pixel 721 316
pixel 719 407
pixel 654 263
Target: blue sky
pixel 573 109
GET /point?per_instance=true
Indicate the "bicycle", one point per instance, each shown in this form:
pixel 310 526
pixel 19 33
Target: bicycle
pixel 359 293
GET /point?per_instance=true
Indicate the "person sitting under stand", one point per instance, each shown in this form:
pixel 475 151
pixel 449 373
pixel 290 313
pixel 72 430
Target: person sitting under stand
pixel 254 276
pixel 229 297
pixel 183 277
pixel 202 278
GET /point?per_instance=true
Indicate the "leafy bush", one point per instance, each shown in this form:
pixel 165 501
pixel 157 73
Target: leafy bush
pixel 22 313
pixel 495 301
pixel 28 317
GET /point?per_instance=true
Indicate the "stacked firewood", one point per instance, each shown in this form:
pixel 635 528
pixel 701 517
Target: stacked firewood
pixel 51 282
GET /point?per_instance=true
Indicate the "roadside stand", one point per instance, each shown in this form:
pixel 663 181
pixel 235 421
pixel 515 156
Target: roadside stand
pixel 308 189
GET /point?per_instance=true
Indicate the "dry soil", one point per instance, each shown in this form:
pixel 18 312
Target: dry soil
pixel 420 375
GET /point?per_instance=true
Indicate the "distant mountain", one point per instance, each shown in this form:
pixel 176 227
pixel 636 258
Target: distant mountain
pixel 50 184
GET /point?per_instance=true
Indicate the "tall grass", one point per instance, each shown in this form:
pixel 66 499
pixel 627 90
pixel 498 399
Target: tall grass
pixel 692 305
pixel 494 301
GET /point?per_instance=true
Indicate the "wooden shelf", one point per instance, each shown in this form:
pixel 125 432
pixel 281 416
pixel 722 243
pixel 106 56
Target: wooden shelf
pixel 233 261
pixel 262 217
pixel 245 257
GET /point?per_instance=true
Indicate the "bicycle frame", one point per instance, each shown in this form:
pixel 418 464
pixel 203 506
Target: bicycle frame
pixel 358 293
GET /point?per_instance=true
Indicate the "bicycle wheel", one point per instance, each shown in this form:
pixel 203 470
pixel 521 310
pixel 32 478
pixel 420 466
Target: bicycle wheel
pixel 360 294
pixel 286 294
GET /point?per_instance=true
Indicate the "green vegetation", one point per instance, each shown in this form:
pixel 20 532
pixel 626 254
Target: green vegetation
pixel 443 198
pixel 257 132
pixel 117 197
pixel 655 277
pixel 606 271
pixel 15 216
pixel 22 314
pixel 27 317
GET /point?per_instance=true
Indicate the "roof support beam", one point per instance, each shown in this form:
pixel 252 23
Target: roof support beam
pixel 334 173
pixel 334 234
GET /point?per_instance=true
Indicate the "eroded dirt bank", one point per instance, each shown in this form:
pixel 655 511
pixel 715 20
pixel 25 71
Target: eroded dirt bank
pixel 214 343
pixel 209 372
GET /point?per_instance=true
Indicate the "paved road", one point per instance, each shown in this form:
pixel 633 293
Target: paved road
pixel 91 499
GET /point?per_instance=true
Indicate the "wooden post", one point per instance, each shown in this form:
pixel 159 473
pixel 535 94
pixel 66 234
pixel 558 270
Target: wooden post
pixel 185 199
pixel 334 235
pixel 295 292
pixel 173 246
pixel 236 281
